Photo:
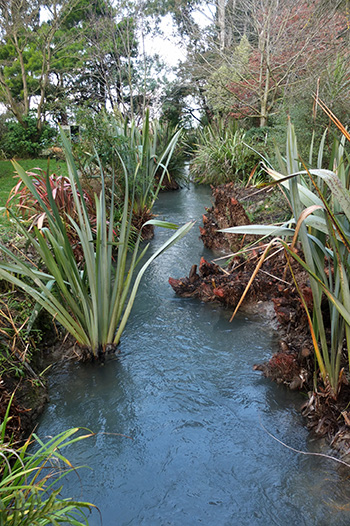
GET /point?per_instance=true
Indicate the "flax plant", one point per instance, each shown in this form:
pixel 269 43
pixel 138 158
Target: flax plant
pixel 320 202
pixel 143 148
pixel 222 155
pixel 31 476
pixel 92 300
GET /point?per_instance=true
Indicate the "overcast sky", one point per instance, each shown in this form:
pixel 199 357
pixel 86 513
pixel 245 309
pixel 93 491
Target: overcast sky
pixel 169 47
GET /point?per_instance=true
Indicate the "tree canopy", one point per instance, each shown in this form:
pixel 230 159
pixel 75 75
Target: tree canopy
pixel 58 55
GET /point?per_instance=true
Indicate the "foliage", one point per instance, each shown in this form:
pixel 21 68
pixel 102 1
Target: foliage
pixel 15 311
pixel 30 476
pixel 218 88
pixel 91 300
pixel 151 153
pixel 7 175
pixel 175 111
pixel 30 208
pixel 176 162
pixel 26 140
pixel 222 155
pixel 107 74
pixel 254 53
pixel 320 221
pixel 285 51
pixel 149 157
pixel 335 84
pixel 30 49
pixel 79 51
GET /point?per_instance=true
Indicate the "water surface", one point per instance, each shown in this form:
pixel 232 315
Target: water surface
pixel 184 390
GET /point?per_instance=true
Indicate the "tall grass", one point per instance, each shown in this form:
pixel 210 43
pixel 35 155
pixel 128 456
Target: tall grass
pixel 91 299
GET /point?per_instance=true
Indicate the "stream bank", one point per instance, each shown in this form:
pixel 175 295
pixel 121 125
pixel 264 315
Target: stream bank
pixel 294 364
pixel 184 389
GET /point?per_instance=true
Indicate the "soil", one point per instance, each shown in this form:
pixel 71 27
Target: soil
pixel 29 389
pixel 234 206
pixel 29 400
pixel 273 291
pixel 226 212
pixel 21 382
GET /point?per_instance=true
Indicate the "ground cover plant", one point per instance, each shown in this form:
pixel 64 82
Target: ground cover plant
pixel 90 297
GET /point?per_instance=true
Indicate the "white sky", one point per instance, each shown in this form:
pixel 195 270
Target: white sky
pixel 169 47
pixel 166 46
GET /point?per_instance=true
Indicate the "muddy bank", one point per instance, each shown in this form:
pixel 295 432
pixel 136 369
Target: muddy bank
pixel 30 395
pixel 294 364
pixel 235 206
pixel 227 211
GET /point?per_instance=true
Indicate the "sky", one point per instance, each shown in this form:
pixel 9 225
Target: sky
pixel 169 47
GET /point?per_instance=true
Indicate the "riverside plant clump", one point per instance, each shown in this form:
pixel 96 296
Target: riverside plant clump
pixel 320 202
pixel 91 296
pixel 149 155
pixel 31 474
pixel 222 155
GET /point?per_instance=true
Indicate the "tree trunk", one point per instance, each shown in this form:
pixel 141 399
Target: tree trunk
pixel 220 15
pixel 264 98
pixel 23 75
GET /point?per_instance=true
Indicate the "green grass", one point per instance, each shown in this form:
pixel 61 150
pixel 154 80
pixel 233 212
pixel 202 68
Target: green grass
pixel 8 181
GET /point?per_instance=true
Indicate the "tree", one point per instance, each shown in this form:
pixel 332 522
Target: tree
pixel 290 44
pixel 56 55
pixel 110 49
pixel 287 45
pixel 29 48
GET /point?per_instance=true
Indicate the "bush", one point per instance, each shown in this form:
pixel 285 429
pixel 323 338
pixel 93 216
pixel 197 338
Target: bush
pixel 222 155
pixel 28 141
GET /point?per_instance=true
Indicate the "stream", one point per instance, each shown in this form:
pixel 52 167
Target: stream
pixel 183 388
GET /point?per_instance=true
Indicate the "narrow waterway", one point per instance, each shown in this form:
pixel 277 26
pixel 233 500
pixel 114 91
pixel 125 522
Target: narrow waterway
pixel 184 390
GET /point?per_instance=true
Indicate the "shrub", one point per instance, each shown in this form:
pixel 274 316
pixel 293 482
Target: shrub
pixel 26 141
pixel 222 155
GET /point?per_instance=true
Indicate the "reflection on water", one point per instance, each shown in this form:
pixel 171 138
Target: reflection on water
pixel 184 391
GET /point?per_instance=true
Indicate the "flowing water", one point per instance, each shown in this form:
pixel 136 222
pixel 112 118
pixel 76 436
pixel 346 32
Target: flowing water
pixel 184 390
